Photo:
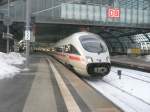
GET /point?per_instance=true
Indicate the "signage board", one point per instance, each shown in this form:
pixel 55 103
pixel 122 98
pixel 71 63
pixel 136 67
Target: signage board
pixel 27 35
pixel 7 36
pixel 113 13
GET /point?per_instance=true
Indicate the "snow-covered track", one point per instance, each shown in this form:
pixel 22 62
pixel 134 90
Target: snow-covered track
pixel 125 92
pixel 137 77
pixel 130 92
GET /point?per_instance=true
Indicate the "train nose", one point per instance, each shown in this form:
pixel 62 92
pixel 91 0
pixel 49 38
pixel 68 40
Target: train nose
pixel 101 70
pixel 98 69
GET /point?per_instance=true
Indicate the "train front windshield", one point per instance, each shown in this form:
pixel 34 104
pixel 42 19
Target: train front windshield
pixel 92 44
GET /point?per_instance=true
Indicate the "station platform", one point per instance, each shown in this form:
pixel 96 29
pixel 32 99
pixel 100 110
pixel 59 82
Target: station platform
pixel 139 63
pixel 49 87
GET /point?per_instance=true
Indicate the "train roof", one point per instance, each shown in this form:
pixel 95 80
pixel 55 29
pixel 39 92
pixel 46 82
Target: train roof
pixel 73 36
pixel 78 34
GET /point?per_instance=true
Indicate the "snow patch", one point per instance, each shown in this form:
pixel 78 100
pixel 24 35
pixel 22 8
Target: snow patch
pixel 8 62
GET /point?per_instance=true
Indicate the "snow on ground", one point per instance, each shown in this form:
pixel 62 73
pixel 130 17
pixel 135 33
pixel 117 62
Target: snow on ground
pixel 8 62
pixel 133 95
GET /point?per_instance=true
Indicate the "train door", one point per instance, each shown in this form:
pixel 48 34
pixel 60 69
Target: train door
pixel 65 52
pixel 75 58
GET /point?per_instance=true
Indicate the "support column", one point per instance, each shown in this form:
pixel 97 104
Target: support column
pixel 28 20
pixel 7 49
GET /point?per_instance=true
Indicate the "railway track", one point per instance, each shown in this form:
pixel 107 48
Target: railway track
pixel 137 104
pixel 135 77
pixel 125 92
pixel 122 94
pixel 133 72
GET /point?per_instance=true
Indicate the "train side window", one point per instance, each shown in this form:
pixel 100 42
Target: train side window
pixel 67 49
pixel 74 50
pixel 59 49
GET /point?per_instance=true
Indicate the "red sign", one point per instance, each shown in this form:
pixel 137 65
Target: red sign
pixel 113 13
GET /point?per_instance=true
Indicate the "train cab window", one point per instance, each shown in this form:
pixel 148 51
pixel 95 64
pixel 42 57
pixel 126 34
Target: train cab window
pixel 74 50
pixel 92 44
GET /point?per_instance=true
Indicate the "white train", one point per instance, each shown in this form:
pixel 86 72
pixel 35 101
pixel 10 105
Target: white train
pixel 85 52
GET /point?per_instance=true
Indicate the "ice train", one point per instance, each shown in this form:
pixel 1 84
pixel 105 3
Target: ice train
pixel 84 52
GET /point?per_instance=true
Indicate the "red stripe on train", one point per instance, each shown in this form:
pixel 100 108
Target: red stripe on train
pixel 77 58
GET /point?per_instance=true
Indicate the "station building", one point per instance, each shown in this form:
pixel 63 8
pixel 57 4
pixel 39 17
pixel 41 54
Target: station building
pixel 123 24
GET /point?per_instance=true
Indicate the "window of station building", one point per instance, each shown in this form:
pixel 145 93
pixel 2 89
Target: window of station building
pixel 126 42
pixel 125 39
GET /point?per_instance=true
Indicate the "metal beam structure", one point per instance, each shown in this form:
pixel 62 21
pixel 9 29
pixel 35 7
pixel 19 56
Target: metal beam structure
pixel 28 28
pixel 2 2
pixel 91 12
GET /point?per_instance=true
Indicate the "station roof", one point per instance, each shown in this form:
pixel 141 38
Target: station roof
pixel 55 32
pixel 2 2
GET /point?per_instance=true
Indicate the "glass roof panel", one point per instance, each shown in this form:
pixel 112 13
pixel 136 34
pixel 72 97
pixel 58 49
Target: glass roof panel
pixel 139 38
pixel 148 34
pixel 140 4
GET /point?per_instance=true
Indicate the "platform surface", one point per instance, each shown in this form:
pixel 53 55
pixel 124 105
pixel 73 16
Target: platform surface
pixel 48 86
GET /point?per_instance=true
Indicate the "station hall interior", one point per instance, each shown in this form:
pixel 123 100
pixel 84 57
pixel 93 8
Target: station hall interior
pixel 47 63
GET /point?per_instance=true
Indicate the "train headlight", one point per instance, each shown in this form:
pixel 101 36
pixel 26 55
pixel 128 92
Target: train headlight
pixel 89 59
